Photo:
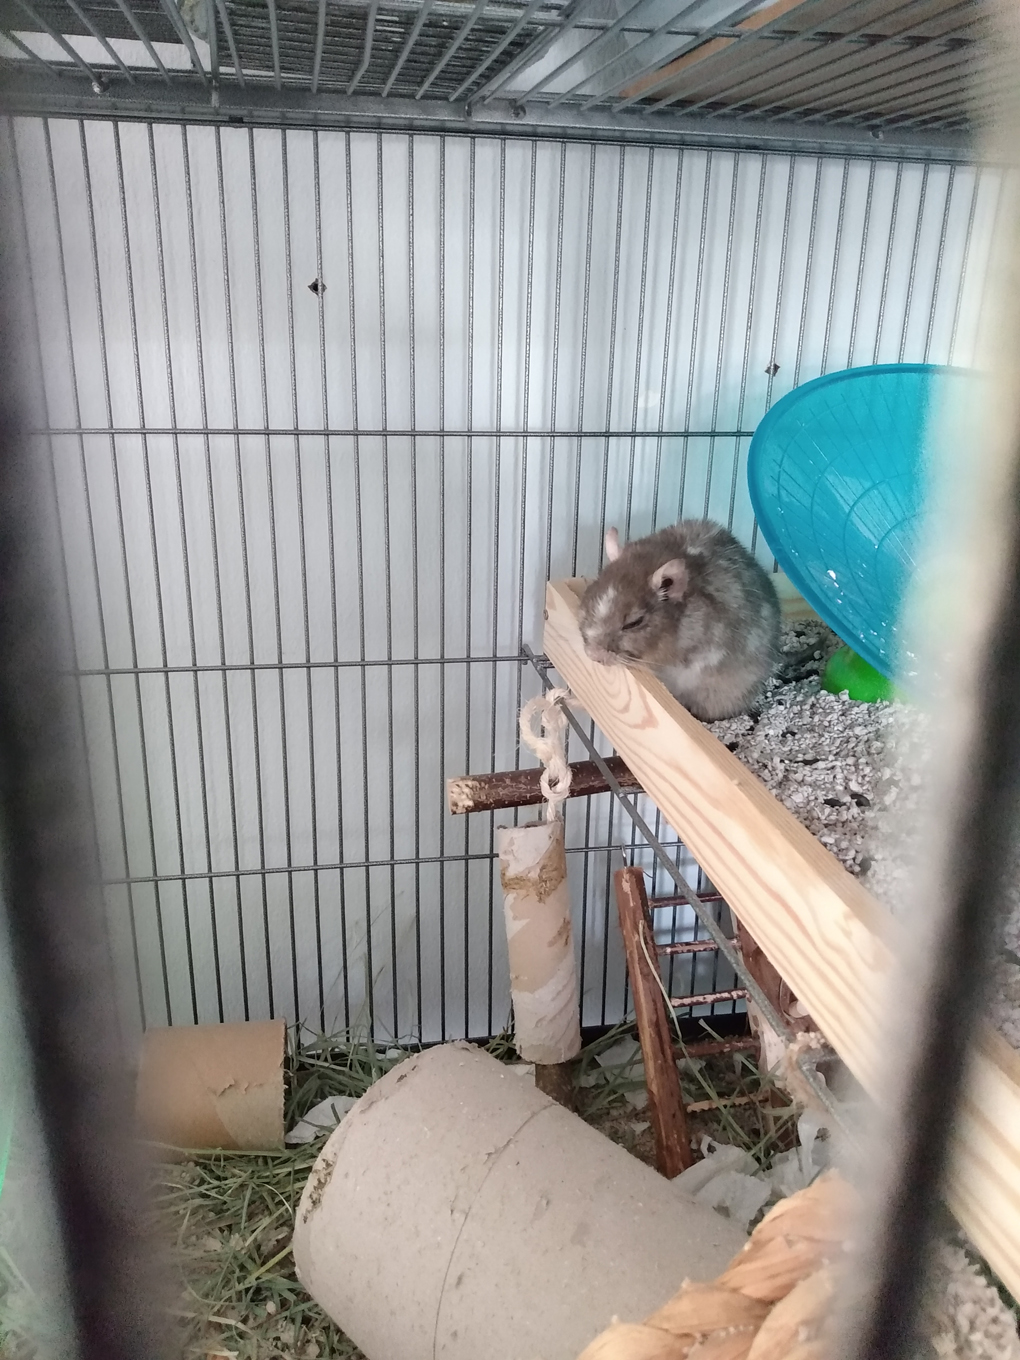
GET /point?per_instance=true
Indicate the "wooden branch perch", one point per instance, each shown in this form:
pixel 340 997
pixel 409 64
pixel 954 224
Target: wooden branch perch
pixel 519 788
pixel 830 940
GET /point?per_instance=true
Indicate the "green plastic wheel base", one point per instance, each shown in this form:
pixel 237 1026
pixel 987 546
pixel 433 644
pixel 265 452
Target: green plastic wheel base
pixel 850 672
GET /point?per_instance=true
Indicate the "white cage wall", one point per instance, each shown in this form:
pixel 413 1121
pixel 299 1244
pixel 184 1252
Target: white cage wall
pixel 306 530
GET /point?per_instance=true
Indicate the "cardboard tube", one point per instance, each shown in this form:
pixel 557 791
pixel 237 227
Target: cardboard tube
pixel 536 910
pixel 213 1086
pixel 458 1213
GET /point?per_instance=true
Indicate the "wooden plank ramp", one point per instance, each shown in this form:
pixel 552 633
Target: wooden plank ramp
pixel 829 938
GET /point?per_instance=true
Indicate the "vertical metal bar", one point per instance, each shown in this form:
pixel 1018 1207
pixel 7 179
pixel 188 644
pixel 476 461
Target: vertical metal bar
pixel 274 557
pixel 157 582
pixel 607 889
pixel 614 311
pixel 526 442
pixel 160 610
pixel 808 267
pixel 359 538
pixel 763 162
pixel 90 519
pixel 583 366
pixel 890 240
pixel 911 277
pixel 642 292
pixel 334 619
pixel 939 261
pixel 122 530
pixel 497 470
pixel 214 42
pixel 583 961
pixel 968 241
pixel 303 564
pixel 671 966
pixel 724 309
pixel 788 209
pixel 224 14
pixel 243 529
pixel 695 321
pixel 324 397
pixel 860 264
pixel 366 57
pixel 554 391
pixel 217 580
pixel 188 587
pixel 1001 207
pixel 668 334
pixel 442 554
pixel 415 582
pixel 405 51
pixel 320 38
pixel 274 40
pixel 587 875
pixel 835 266
pixel 469 563
pixel 387 570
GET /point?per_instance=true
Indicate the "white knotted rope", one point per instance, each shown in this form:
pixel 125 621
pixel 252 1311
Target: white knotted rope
pixel 547 742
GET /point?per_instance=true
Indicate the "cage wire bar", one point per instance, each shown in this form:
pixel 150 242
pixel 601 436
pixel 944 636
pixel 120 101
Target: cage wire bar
pixel 323 408
pixel 307 531
pixel 894 77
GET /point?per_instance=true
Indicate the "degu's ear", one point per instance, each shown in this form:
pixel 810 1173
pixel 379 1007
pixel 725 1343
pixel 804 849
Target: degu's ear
pixel 612 545
pixel 670 580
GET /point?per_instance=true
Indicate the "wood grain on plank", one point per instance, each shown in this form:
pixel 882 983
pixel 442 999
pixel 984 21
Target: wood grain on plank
pixel 829 938
pixel 984 1182
pixel 818 925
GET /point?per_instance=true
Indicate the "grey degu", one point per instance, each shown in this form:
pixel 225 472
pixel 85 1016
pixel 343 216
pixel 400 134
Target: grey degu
pixel 692 606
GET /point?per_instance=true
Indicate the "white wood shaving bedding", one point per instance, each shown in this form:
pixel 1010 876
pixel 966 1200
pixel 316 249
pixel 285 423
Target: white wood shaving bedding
pixel 840 766
pixel 967 1318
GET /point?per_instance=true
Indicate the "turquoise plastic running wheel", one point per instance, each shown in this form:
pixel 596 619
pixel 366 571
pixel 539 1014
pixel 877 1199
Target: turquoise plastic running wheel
pixel 836 472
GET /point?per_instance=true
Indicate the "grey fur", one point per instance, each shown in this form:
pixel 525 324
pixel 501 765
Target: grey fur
pixel 709 631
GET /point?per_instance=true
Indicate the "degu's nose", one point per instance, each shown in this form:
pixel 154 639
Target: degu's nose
pixel 599 654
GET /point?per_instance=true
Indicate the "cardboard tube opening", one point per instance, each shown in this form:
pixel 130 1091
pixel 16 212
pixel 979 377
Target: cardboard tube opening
pixel 213 1086
pixel 458 1213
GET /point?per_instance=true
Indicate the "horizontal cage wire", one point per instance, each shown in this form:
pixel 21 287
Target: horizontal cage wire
pixel 906 67
pixel 321 412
